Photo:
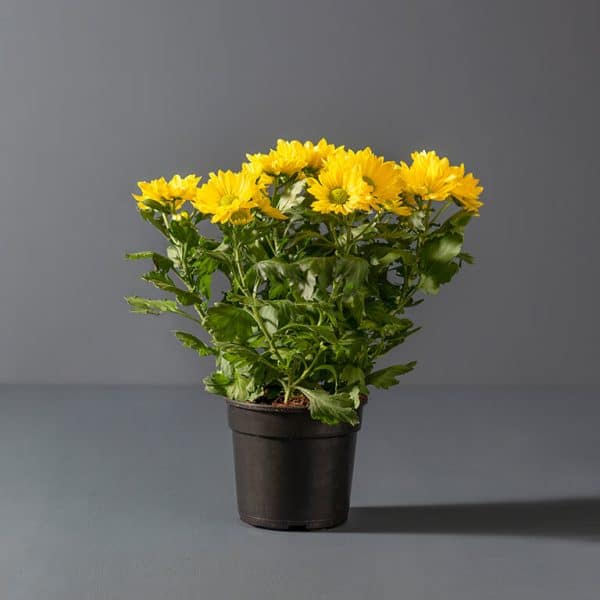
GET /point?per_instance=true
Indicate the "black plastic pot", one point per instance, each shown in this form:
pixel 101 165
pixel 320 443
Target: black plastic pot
pixel 291 472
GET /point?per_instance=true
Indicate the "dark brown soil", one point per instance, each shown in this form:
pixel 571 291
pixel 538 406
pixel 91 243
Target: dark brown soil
pixel 298 401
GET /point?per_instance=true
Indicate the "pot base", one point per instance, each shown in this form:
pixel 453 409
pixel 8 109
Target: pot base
pixel 292 525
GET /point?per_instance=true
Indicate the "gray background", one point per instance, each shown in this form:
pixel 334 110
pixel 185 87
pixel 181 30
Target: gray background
pixel 96 94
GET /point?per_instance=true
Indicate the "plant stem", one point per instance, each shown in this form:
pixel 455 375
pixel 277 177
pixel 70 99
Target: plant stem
pixel 251 296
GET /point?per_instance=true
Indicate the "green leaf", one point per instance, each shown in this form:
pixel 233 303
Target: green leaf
pixel 184 231
pixel 139 255
pixel 457 222
pixel 392 256
pixel 162 263
pixel 273 268
pixel 466 257
pixel 352 374
pixel 152 307
pixel 436 275
pixel 292 197
pixel 353 270
pixel 385 378
pixel 331 408
pixel 217 383
pixel 191 341
pixel 442 249
pixel 163 282
pixel 269 317
pixel 234 383
pixel 229 323
pixel 355 304
pixel 203 269
pixel 316 271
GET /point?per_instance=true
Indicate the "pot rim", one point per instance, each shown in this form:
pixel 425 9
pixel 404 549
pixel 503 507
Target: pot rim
pixel 259 407
pixel 266 407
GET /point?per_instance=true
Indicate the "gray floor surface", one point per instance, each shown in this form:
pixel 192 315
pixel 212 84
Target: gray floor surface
pixel 127 493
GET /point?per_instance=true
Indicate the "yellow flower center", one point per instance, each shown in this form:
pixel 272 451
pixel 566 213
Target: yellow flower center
pixel 338 196
pixel 227 200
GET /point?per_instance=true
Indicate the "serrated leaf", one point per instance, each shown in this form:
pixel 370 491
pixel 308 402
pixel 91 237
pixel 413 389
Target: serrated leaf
pixel 353 270
pixel 139 255
pixel 331 409
pixel 229 323
pixel 163 282
pixel 191 341
pixel 151 306
pixel 352 374
pixel 162 263
pixel 386 378
pixel 217 383
pixel 203 269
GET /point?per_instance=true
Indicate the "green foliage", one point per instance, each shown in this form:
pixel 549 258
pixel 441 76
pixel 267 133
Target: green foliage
pixel 331 408
pixel 151 307
pixel 227 322
pixel 386 378
pixel 312 303
pixel 191 341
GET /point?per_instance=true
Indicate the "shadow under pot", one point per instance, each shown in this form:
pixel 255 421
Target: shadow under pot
pixel 291 471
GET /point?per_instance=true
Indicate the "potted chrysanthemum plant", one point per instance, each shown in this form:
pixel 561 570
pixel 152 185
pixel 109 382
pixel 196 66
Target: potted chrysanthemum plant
pixel 324 249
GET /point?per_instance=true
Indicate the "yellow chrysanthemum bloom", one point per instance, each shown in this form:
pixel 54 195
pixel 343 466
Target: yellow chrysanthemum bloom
pixel 173 193
pixel 263 181
pixel 316 154
pixel 382 176
pixel 254 170
pixel 429 176
pixel 340 188
pixel 467 190
pixel 263 203
pixel 228 196
pixel 286 159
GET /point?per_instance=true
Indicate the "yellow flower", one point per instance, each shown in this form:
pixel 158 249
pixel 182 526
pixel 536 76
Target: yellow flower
pixel 173 193
pixel 316 154
pixel 382 176
pixel 228 196
pixel 264 205
pixel 429 176
pixel 467 191
pixel 340 188
pixel 287 158
pixel 397 207
pixel 254 170
pixel 262 181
